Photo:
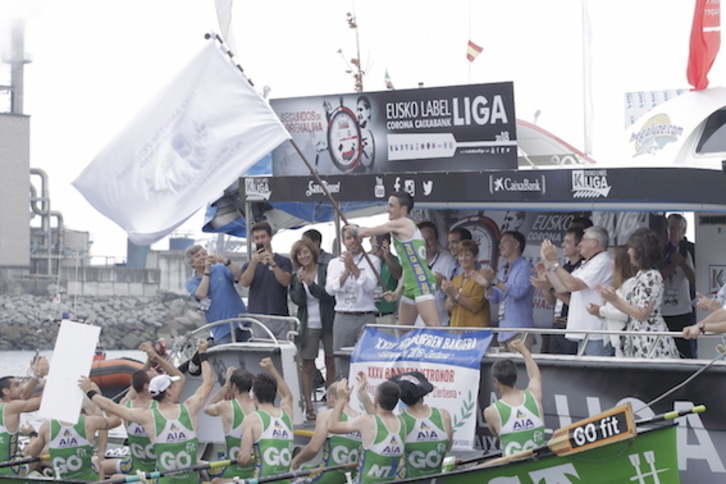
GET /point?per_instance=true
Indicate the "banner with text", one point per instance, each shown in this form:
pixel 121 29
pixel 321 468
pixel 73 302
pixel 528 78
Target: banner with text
pixel 457 128
pixel 450 361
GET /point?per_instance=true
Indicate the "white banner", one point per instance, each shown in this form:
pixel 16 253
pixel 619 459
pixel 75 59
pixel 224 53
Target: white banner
pixel 450 361
pixel 203 131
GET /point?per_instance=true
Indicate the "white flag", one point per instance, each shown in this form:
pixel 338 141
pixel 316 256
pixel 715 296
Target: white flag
pixel 203 131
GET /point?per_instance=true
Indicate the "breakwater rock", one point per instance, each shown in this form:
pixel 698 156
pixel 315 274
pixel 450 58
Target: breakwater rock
pixel 28 322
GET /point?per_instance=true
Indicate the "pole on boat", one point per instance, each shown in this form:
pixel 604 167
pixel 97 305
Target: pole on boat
pixel 145 476
pixel 329 195
pixel 26 460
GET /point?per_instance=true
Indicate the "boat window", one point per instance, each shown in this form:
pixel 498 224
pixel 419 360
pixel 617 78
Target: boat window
pixel 713 139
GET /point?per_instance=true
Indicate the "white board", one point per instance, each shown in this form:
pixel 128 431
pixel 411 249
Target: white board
pixel 72 357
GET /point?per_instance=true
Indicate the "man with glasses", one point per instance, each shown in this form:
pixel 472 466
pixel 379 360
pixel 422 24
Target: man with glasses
pixel 596 269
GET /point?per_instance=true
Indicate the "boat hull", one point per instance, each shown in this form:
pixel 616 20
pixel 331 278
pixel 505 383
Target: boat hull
pixel 650 457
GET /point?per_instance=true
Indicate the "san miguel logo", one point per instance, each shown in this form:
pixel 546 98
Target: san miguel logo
pixel 530 184
pixel 654 135
pixel 257 189
pixel 590 183
pixel 316 189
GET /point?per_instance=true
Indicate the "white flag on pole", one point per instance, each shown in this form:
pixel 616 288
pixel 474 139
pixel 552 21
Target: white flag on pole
pixel 203 131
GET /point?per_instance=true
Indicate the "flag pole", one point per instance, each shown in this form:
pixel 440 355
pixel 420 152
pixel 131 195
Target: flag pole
pixel 336 207
pixel 469 39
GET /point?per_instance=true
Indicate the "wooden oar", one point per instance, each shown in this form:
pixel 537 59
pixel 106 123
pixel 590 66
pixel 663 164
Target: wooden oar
pixel 170 472
pixel 673 414
pixel 613 425
pixel 306 472
pixel 26 460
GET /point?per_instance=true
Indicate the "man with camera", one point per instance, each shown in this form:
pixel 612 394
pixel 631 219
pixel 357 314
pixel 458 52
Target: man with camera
pixel 268 276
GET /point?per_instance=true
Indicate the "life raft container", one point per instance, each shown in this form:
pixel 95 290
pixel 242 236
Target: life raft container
pixel 114 376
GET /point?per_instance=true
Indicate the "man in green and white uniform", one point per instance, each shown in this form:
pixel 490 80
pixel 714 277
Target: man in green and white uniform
pixel 71 445
pixel 17 399
pixel 171 426
pixel 142 456
pixel 337 449
pixel 382 434
pixel 429 432
pixel 233 413
pixel 517 416
pixel 417 287
pixel 268 432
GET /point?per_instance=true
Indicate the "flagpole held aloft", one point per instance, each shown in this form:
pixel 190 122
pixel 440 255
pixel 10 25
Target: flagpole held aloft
pixel 335 205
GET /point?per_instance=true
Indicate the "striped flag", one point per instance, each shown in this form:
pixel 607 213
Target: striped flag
pixel 389 84
pixel 472 50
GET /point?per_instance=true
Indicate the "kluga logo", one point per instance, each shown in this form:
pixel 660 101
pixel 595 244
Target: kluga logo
pixel 654 135
pixel 257 189
pixel 590 183
pixel 508 184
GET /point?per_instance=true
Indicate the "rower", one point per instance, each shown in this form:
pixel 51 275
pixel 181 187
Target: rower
pixel 233 413
pixel 142 456
pixel 71 445
pixel 337 449
pixel 517 416
pixel 16 399
pixel 268 431
pixel 171 426
pixel 429 432
pixel 382 433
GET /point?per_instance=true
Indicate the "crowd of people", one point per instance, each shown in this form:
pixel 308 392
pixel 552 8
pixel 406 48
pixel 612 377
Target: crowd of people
pixel 645 286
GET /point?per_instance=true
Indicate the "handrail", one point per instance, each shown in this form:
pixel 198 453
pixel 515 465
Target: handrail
pixel 185 343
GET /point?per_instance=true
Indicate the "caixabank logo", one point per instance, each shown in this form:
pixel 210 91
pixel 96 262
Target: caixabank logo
pixel 590 184
pixel 522 184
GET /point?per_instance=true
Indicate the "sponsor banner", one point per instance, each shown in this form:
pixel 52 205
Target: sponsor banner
pixel 633 186
pixel 457 128
pixel 450 361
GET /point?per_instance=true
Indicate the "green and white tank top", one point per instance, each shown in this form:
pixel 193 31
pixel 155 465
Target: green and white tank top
pixel 418 279
pixel 232 441
pixel 341 448
pixel 426 443
pixel 273 449
pixel 70 451
pixel 8 444
pixel 175 445
pixel 140 445
pixel 381 460
pixel 522 427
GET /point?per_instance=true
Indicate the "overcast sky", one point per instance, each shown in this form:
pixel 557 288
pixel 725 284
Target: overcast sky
pixel 95 63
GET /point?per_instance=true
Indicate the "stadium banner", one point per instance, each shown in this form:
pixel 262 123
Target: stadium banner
pixel 456 128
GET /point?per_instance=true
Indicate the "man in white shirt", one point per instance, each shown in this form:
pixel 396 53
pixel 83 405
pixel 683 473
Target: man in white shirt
pixel 352 281
pixel 596 269
pixel 441 264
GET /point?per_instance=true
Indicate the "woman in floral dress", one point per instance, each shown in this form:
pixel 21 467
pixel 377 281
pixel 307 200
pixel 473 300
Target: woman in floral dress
pixel 643 302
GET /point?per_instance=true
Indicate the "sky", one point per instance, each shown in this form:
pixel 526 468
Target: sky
pixel 96 63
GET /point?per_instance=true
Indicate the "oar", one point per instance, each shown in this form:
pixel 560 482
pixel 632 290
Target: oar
pixel 673 414
pixel 26 460
pixel 306 472
pixel 170 472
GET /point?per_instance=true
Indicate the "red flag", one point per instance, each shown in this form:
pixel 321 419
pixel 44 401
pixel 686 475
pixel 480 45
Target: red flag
pixel 472 50
pixel 389 84
pixel 705 42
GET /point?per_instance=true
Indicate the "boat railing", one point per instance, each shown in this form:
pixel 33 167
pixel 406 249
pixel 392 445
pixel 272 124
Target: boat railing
pixel 530 332
pixel 248 328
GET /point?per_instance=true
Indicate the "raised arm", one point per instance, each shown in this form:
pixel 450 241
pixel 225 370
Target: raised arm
pixel 215 405
pixel 199 398
pixel 40 368
pixel 360 388
pixel 109 406
pixel 282 388
pixel 535 378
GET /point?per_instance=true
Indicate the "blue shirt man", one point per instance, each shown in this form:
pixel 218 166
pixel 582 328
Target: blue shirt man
pixel 213 288
pixel 511 288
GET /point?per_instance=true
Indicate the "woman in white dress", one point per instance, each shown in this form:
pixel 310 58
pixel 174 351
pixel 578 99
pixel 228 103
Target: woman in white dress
pixel 643 302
